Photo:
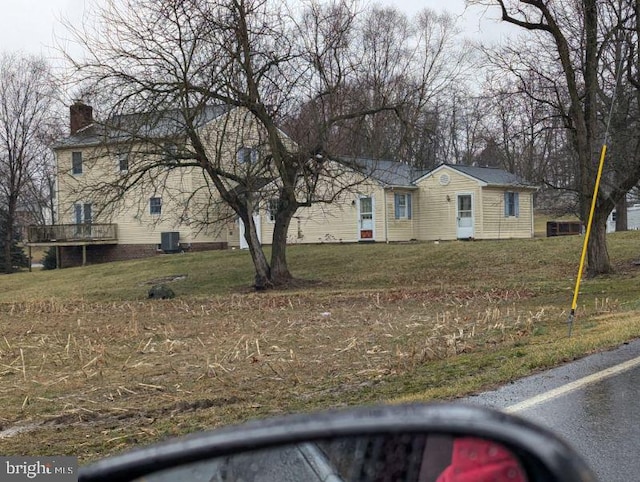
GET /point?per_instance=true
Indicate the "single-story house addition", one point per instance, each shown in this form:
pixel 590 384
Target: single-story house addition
pixel 396 203
pixel 468 202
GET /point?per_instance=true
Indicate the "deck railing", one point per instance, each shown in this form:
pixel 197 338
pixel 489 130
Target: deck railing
pixel 72 233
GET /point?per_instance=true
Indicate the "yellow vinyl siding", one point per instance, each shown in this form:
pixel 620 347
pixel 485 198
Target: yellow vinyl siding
pixel 436 215
pixel 401 229
pixel 496 225
pixel 184 193
pixel 336 222
pixel 214 221
pixel 135 223
pixel 227 134
pixel 192 206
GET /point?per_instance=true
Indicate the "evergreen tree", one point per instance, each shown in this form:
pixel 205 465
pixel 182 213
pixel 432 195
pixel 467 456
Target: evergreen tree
pixel 18 257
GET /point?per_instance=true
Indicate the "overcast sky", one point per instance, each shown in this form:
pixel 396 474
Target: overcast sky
pixel 31 26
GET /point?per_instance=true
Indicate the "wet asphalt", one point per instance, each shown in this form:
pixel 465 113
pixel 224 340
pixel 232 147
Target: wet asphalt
pixel 601 420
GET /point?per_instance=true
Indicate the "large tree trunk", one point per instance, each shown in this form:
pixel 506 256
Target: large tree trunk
pixel 621 214
pixel 280 273
pixel 262 268
pixel 597 254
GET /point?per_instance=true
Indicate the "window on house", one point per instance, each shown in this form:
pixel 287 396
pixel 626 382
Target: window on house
pixel 155 205
pixel 247 155
pixel 123 162
pixel 402 206
pixel 83 213
pixel 83 216
pixel 170 151
pixel 76 162
pixel 511 204
pixel 272 209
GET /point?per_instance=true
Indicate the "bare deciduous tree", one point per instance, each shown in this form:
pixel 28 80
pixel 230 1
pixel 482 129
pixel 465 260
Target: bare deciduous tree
pixel 416 60
pixel 27 97
pixel 264 59
pixel 584 46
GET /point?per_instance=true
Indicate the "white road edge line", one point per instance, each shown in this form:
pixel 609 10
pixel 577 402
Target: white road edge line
pixel 569 387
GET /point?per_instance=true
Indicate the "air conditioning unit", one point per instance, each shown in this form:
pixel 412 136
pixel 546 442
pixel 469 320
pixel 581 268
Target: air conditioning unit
pixel 170 241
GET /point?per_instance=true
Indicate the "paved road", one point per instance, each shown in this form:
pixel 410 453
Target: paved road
pixel 593 403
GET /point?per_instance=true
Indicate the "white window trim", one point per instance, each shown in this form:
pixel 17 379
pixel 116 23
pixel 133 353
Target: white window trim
pixel 151 213
pixel 407 207
pixel 119 159
pixel 515 213
pixel 271 215
pixel 81 164
pixel 253 155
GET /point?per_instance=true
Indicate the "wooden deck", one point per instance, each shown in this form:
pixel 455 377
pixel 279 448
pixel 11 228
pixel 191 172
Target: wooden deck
pixel 72 234
pixel 62 235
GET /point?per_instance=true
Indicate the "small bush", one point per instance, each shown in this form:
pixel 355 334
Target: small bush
pixel 49 259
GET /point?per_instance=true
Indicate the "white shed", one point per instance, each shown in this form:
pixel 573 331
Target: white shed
pixel 633 219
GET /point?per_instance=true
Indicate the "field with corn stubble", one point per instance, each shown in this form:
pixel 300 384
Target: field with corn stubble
pixel 89 367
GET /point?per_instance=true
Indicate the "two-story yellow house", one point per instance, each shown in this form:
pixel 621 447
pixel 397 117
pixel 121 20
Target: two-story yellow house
pixel 389 201
pixel 155 216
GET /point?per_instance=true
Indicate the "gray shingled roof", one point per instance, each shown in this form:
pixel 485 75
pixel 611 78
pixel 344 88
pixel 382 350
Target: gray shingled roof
pixel 122 128
pixel 388 173
pixel 400 174
pixel 492 176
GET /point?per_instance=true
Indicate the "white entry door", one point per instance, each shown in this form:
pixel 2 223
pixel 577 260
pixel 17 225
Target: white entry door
pixel 366 221
pixel 465 216
pixel 243 241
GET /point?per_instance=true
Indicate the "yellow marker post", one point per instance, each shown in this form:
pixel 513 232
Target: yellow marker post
pixel 596 189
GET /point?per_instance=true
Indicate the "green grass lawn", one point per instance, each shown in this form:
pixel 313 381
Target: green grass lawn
pixel 89 366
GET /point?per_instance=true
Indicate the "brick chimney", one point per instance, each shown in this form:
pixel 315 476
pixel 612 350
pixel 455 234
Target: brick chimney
pixel 80 116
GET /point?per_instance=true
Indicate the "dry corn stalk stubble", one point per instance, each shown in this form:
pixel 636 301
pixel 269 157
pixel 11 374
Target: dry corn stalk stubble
pixel 94 360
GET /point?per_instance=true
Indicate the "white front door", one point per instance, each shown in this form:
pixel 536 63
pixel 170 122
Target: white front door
pixel 465 216
pixel 243 241
pixel 366 221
